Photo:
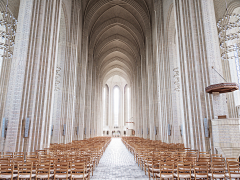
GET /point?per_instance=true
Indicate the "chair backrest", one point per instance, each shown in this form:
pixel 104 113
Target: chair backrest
pixel 43 168
pixel 218 166
pixel 184 167
pixel 206 159
pixel 234 167
pixel 166 167
pixel 201 169
pixel 25 168
pixel 217 155
pixel 192 153
pixel 190 159
pixel 6 169
pixel 232 160
pixel 61 167
pixel 5 159
pixel 17 160
pixel 8 154
pixel 78 168
pixel 218 159
pixel 34 161
pixel 218 169
pixel 201 163
pixel 204 155
pixel 32 156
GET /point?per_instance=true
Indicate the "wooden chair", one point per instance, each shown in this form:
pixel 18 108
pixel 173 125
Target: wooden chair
pixel 43 171
pixel 147 159
pixel 25 171
pixel 154 168
pixel 34 162
pixel 140 156
pixel 61 170
pixel 78 171
pixel 200 171
pixel 87 161
pixel 233 170
pixel 183 171
pixel 166 170
pixel 16 161
pixel 7 171
pixel 218 169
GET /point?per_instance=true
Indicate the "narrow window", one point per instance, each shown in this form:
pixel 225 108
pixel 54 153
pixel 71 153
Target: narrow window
pixel 116 104
pixel 104 106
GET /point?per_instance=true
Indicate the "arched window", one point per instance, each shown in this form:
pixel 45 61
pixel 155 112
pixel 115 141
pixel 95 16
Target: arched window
pixel 129 103
pixel 105 105
pixel 116 98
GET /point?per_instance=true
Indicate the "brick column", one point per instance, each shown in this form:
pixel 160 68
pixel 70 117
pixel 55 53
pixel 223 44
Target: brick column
pixel 32 75
pixel 195 29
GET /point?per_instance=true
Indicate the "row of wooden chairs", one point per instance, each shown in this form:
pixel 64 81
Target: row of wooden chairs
pixel 197 170
pixel 161 161
pixel 75 160
pixel 76 170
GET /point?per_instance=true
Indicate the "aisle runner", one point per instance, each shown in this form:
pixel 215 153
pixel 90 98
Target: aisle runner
pixel 118 163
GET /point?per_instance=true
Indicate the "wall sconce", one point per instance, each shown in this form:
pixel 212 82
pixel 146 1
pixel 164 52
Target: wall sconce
pixel 52 130
pixel 64 129
pixel 206 127
pixel 77 130
pixel 169 129
pixel 4 127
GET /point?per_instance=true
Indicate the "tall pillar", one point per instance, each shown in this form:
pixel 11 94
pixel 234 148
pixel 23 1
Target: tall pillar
pixel 88 99
pixel 194 37
pixel 31 83
pixel 145 103
pixel 219 101
pixel 100 107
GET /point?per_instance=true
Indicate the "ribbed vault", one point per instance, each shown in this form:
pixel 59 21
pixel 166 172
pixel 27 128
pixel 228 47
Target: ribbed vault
pixel 116 31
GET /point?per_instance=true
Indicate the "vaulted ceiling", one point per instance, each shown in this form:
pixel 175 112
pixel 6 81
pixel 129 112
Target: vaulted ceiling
pixel 116 31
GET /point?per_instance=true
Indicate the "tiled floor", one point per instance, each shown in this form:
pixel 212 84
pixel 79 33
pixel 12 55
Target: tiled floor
pixel 118 163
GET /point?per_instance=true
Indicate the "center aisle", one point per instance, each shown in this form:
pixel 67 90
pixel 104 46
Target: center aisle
pixel 118 163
